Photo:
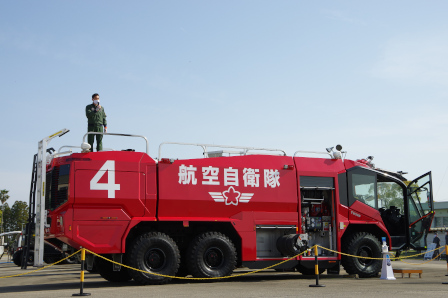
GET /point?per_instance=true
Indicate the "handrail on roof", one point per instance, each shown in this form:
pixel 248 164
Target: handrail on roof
pixel 204 147
pixel 313 152
pixel 70 147
pixel 117 134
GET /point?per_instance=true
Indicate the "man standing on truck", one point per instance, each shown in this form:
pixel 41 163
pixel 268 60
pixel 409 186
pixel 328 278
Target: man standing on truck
pixel 96 119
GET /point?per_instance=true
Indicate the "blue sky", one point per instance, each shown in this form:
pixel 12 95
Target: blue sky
pixel 295 75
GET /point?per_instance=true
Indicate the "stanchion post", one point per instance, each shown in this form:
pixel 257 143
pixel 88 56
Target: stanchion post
pixel 446 257
pixel 316 268
pixel 83 266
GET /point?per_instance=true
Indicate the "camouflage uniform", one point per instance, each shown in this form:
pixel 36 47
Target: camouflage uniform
pixel 95 122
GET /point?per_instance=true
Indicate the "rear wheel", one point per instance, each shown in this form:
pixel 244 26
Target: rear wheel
pixel 155 253
pixel 363 245
pixel 211 254
pixel 106 270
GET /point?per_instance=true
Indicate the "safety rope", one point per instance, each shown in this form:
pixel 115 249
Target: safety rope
pixel 417 264
pixel 369 258
pixel 42 267
pixel 234 275
pixel 197 278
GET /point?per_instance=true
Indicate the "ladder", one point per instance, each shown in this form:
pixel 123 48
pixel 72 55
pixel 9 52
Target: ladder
pixel 40 212
pixel 31 215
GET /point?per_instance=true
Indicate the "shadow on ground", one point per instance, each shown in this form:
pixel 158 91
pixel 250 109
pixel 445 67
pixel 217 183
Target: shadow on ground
pixel 94 283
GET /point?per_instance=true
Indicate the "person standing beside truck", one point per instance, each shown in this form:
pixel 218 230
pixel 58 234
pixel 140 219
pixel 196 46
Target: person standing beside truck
pixel 446 245
pixel 96 120
pixel 436 240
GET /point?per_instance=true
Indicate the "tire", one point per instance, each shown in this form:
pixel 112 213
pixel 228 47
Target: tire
pixel 308 271
pixel 362 244
pixel 211 254
pixel 17 258
pixel 155 253
pixel 183 267
pixel 106 270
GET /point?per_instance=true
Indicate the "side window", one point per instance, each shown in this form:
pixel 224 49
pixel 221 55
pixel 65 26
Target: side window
pixel 363 189
pixel 390 194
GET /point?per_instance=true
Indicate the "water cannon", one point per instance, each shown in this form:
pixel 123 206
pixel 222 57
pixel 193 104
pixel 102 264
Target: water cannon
pixel 336 154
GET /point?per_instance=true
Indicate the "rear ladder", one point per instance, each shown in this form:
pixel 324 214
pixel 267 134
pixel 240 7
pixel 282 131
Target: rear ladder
pixel 31 215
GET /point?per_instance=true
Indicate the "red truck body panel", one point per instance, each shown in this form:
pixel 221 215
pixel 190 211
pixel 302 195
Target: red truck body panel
pixel 112 192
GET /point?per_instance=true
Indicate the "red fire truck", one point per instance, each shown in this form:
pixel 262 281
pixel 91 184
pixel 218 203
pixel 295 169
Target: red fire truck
pixel 232 207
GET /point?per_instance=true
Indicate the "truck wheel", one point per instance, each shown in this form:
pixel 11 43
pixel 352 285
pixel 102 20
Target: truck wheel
pixel 17 258
pixel 106 270
pixel 365 245
pixel 155 253
pixel 211 254
pixel 308 271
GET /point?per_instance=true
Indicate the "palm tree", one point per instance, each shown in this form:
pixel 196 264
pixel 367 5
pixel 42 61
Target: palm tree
pixel 3 198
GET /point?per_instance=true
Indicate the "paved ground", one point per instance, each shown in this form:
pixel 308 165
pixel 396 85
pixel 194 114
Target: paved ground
pixel 63 281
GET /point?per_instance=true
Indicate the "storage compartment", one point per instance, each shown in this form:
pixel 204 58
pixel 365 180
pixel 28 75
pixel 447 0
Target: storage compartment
pixel 317 212
pixel 267 237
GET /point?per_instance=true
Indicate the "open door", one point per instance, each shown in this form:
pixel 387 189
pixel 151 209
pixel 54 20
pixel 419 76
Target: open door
pixel 420 210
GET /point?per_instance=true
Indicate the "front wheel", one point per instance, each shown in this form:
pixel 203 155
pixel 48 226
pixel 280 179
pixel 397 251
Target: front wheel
pixel 362 245
pixel 154 253
pixel 211 254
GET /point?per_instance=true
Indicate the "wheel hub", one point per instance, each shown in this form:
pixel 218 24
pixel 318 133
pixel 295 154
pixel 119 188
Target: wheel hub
pixel 213 257
pixel 365 251
pixel 155 259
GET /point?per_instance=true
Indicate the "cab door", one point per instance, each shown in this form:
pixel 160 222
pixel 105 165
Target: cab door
pixel 420 210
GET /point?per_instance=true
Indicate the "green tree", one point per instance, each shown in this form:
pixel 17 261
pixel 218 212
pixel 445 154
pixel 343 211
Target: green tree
pixel 15 217
pixel 6 216
pixel 3 198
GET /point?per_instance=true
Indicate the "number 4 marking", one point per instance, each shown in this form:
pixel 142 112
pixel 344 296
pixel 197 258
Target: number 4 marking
pixel 110 186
